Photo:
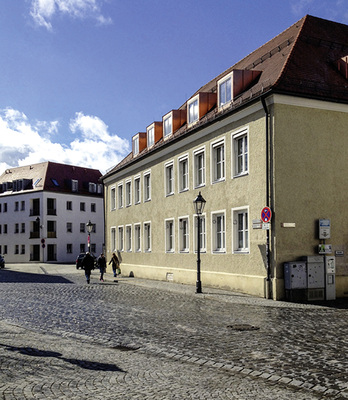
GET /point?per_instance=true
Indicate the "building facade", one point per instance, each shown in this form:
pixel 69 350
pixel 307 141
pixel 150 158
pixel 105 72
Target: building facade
pixel 271 131
pixel 44 209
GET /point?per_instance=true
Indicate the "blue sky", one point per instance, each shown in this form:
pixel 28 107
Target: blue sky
pixel 79 78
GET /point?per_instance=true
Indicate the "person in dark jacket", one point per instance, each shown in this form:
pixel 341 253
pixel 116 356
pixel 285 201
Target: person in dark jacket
pixel 115 263
pixel 102 266
pixel 88 265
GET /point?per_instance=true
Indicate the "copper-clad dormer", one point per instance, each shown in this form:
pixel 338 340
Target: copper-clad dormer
pixel 138 143
pixel 199 105
pixel 154 133
pixel 173 121
pixel 235 83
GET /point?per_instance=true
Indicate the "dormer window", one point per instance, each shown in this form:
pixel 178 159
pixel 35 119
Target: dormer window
pixel 225 91
pixel 193 114
pixel 154 133
pixel 150 136
pixel 139 143
pixel 199 105
pixel 74 185
pixel 234 84
pixel 167 125
pixel 135 145
pixel 173 121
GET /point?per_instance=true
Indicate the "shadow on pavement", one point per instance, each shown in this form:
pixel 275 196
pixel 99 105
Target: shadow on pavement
pixel 90 365
pixel 25 277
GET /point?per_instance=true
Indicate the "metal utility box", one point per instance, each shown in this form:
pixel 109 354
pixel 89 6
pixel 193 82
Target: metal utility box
pixel 315 272
pixel 330 278
pixel 295 275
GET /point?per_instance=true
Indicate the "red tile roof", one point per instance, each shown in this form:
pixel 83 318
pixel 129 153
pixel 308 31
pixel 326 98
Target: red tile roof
pixel 300 61
pixel 53 177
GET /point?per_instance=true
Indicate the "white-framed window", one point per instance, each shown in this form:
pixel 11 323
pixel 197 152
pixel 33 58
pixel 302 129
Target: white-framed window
pixel 202 236
pixel 150 135
pixel 193 111
pixel 74 185
pixel 183 174
pixel 199 167
pixel 113 198
pixel 240 219
pixel 225 90
pixel 137 237
pixel 113 239
pixel 169 178
pixel 136 145
pixel 69 227
pixel 218 161
pixel 128 238
pixel 92 187
pixel 169 229
pixel 167 125
pixel 184 235
pixel 128 193
pixel 240 153
pixel 120 195
pixel 147 237
pixel 147 186
pixel 137 193
pixel 120 238
pixel 218 232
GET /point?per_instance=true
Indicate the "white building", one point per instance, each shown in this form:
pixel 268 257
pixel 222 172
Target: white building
pixel 44 209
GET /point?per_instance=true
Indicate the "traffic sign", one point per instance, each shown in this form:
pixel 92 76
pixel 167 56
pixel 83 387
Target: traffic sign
pixel 266 214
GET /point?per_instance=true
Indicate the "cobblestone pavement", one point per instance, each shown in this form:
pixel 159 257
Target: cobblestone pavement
pixel 61 338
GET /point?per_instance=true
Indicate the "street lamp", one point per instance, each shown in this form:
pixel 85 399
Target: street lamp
pixel 199 204
pixel 89 226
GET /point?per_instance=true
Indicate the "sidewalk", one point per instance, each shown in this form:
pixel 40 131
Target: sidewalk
pixel 189 290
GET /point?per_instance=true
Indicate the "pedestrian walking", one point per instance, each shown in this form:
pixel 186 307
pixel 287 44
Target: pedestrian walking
pixel 88 265
pixel 102 266
pixel 115 264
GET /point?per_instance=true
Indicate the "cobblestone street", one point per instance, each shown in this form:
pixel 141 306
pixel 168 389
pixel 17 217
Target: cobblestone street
pixel 62 338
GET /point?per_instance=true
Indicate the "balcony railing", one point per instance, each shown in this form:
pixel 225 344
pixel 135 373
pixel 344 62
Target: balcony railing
pixel 51 234
pixel 51 211
pixel 34 235
pixel 34 212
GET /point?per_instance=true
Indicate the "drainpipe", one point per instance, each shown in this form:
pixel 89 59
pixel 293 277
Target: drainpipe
pixel 269 293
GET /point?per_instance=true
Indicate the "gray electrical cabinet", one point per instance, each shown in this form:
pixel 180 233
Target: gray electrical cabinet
pixel 315 277
pixel 295 275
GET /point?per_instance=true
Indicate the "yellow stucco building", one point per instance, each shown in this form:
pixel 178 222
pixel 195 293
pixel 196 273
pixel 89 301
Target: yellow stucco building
pixel 271 131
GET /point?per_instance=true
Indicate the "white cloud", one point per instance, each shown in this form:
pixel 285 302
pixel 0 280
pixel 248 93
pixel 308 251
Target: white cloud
pixel 43 11
pixel 301 7
pixel 24 143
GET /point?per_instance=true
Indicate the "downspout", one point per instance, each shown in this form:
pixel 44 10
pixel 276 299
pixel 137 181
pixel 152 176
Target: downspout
pixel 269 292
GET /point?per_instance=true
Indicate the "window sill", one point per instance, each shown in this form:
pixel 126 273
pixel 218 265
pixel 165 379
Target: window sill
pixel 242 252
pixel 218 181
pixel 240 175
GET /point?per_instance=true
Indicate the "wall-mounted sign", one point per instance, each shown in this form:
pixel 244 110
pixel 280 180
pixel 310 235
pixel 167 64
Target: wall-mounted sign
pixel 257 224
pixel 325 249
pixel 324 229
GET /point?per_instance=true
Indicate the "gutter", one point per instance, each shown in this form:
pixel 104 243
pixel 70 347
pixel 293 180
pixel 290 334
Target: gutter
pixel 269 291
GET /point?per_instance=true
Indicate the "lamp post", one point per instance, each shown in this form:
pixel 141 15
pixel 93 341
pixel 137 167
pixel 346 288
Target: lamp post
pixel 199 204
pixel 89 226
